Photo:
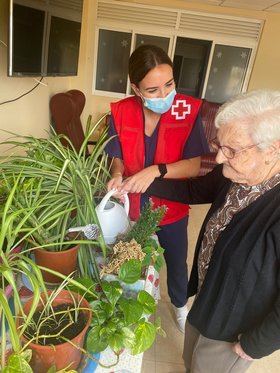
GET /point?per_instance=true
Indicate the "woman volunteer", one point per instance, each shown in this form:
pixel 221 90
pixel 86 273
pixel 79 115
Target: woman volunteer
pixel 159 134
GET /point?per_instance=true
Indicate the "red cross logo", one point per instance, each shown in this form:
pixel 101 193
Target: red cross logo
pixel 180 109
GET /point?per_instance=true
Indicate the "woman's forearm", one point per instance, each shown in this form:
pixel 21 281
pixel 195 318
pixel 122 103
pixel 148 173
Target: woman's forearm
pixel 117 167
pixel 203 189
pixel 185 168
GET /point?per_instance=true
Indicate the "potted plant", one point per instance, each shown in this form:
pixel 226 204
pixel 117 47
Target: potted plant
pixel 122 323
pixel 11 265
pixel 119 322
pixel 71 179
pixel 56 332
pixel 48 222
pixel 136 257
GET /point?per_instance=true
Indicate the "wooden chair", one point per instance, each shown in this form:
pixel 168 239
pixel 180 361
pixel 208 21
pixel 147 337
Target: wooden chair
pixel 66 109
pixel 208 114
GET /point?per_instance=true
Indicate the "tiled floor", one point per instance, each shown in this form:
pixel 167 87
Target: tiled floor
pixel 165 355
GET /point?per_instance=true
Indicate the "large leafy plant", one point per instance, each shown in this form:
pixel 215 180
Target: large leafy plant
pixel 73 180
pixel 121 322
pixel 11 265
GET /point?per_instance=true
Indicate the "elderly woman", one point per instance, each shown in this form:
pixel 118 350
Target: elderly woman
pixel 235 317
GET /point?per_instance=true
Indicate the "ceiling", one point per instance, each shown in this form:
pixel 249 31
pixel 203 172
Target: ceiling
pixel 261 5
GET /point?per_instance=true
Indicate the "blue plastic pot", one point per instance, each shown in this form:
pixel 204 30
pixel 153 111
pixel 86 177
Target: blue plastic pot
pixel 91 365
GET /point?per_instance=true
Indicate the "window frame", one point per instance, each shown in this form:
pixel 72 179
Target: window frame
pixel 172 35
pixel 133 32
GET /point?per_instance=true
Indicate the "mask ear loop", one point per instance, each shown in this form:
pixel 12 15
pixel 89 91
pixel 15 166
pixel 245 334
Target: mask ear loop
pixel 142 97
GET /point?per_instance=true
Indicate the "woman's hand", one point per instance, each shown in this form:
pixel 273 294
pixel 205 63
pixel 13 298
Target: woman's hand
pixel 115 182
pixel 140 182
pixel 240 352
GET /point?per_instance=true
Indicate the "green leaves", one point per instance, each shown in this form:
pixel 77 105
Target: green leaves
pixel 112 290
pixel 145 334
pixel 89 284
pixel 121 323
pixel 96 340
pixel 130 271
pixel 132 310
pixel 67 179
pixel 147 301
pixel 19 363
pixel 122 338
pixel 147 224
pixel 154 254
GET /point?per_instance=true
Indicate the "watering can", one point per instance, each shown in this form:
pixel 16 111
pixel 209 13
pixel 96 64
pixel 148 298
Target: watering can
pixel 113 217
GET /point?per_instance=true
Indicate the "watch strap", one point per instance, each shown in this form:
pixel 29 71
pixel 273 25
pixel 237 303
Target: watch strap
pixel 162 169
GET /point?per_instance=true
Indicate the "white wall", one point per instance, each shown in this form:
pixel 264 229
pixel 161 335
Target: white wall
pixel 30 114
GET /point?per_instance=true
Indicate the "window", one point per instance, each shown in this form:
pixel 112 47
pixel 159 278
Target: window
pixel 212 54
pixel 190 62
pixel 112 63
pixel 227 73
pixel 150 39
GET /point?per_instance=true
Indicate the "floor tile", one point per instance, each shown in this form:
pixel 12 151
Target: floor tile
pixel 148 366
pixel 168 349
pixel 150 354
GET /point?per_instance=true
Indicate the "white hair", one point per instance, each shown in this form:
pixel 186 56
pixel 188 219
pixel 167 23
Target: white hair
pixel 259 111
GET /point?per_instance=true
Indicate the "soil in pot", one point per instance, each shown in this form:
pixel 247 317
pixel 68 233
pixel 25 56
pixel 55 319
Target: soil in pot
pixel 65 354
pixel 61 322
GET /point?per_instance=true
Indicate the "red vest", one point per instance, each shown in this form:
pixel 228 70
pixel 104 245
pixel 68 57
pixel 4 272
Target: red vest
pixel 174 129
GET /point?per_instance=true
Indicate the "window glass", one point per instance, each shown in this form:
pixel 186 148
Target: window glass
pixel 112 61
pixel 64 46
pixel 190 63
pixel 161 42
pixel 227 73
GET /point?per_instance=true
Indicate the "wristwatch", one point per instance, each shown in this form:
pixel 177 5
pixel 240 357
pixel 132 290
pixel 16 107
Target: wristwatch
pixel 162 169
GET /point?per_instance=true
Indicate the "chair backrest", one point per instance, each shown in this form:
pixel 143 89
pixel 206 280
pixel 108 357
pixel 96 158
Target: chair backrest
pixel 208 113
pixel 66 109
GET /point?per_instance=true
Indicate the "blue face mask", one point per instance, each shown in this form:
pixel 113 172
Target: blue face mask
pixel 160 105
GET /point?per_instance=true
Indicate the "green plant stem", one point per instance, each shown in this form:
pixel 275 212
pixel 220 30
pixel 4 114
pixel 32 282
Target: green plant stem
pixel 92 358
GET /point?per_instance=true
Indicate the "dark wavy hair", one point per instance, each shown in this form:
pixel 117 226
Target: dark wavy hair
pixel 144 59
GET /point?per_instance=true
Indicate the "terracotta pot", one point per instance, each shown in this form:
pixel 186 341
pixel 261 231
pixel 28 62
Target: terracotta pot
pixel 62 355
pixel 64 262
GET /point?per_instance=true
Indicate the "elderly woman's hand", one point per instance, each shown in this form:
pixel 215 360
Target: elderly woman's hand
pixel 140 182
pixel 240 352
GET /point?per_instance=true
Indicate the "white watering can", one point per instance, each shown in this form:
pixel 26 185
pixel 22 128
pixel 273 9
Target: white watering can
pixel 113 217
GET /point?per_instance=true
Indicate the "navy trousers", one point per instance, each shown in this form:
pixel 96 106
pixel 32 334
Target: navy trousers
pixel 174 239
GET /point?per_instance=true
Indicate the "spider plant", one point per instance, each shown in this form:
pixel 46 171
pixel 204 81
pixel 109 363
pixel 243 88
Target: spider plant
pixel 51 219
pixel 56 320
pixel 57 330
pixel 73 179
pixel 10 266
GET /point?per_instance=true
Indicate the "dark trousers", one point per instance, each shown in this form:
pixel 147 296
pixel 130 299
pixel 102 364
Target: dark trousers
pixel 174 239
